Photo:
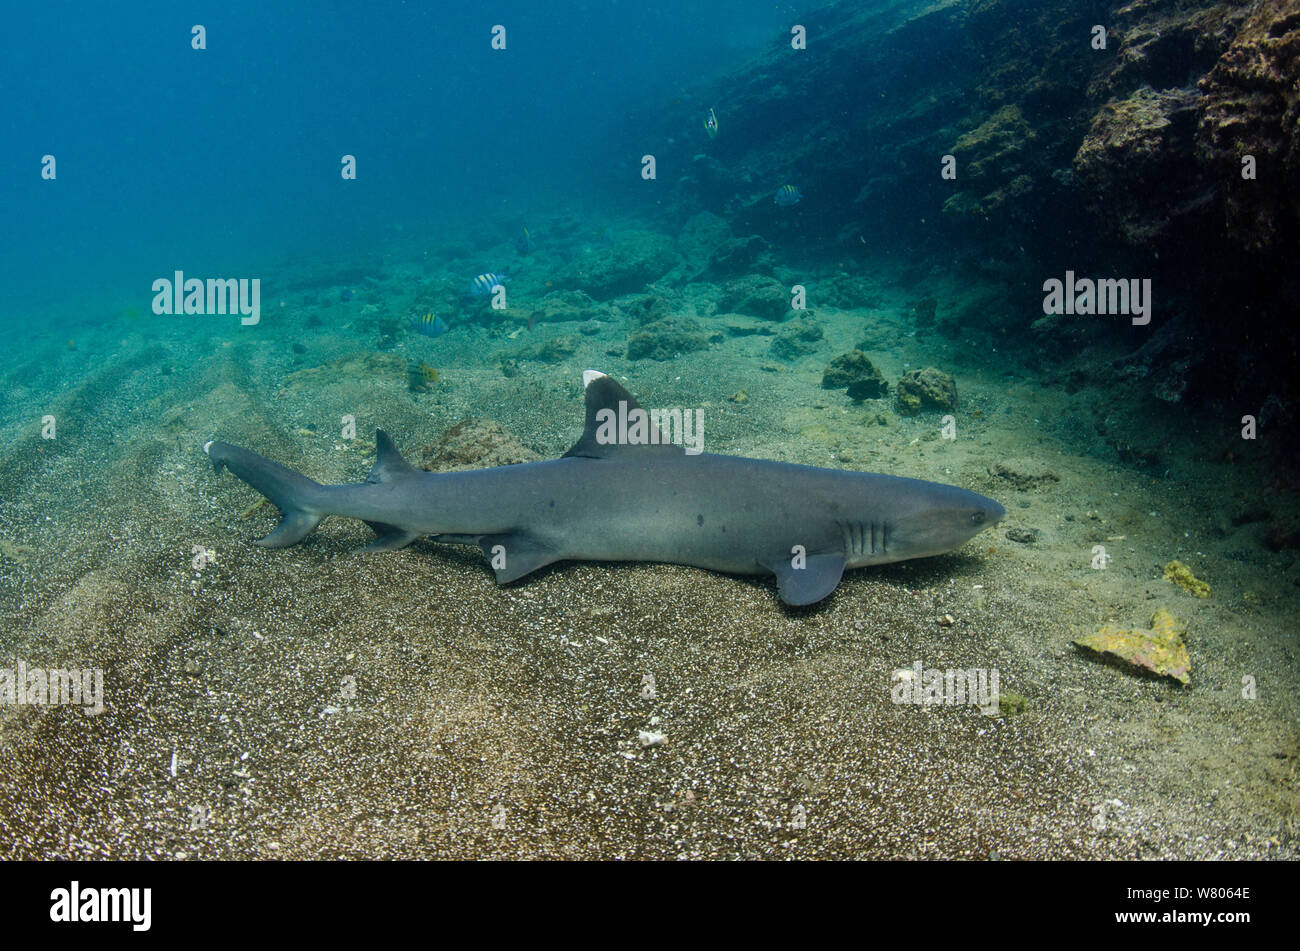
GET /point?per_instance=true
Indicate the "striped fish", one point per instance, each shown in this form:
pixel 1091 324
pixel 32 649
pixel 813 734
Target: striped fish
pixel 483 284
pixel 787 195
pixel 430 325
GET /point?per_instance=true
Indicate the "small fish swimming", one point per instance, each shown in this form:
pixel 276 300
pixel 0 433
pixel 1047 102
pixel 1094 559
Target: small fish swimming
pixel 524 242
pixel 711 124
pixel 420 377
pixel 483 284
pixel 430 325
pixel 788 195
pixel 345 294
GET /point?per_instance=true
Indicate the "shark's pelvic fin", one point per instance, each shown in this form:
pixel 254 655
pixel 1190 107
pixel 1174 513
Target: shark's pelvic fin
pixel 390 538
pixel 514 555
pixel 818 577
pixel 292 528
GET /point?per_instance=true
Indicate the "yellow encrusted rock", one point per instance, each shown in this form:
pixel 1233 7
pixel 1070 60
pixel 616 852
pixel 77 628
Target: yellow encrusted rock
pixel 1158 650
pixel 1181 575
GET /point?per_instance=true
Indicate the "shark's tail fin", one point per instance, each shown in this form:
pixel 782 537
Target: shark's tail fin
pixel 296 496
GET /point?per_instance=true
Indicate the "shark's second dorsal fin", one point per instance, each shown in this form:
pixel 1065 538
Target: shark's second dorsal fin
pixel 389 463
pixel 613 428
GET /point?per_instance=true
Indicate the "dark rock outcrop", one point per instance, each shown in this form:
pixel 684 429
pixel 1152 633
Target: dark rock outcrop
pixel 852 371
pixel 926 389
pixel 1132 163
pixel 1251 106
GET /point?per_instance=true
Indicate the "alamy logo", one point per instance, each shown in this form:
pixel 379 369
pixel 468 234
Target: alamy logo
pixel 926 685
pixel 639 427
pixel 54 686
pixel 1106 296
pixel 103 904
pixel 217 295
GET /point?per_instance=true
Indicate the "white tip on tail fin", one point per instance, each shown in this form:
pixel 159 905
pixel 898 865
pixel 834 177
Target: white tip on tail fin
pixel 588 376
pixel 207 446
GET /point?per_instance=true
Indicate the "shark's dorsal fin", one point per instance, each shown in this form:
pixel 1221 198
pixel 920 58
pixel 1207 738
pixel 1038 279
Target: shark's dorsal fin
pixel 389 463
pixel 612 429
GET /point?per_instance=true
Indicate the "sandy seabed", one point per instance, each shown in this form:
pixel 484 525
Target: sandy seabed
pixel 306 703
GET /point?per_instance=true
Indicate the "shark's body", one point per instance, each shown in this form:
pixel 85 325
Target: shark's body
pixel 623 502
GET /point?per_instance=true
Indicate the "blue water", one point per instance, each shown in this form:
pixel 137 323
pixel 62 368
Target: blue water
pixel 212 160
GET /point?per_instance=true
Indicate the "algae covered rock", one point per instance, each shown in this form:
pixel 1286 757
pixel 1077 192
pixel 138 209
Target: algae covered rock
pixel 757 296
pixel 366 367
pixel 1158 650
pixel 849 291
pixel 1010 704
pixel 740 255
pixel 854 372
pixel 707 244
pixel 475 444
pixel 1023 474
pixel 1181 575
pixel 666 338
pixel 1250 103
pixel 555 350
pixel 992 155
pixel 566 305
pixel 634 260
pixel 646 309
pixel 796 339
pixel 1132 161
pixel 740 325
pixel 701 237
pixel 926 389
pixel 924 311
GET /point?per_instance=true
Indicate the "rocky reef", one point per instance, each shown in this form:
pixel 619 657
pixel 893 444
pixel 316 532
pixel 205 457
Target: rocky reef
pixel 1249 104
pixel 1149 138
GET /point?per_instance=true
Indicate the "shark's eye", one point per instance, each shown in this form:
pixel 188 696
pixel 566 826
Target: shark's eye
pixel 977 518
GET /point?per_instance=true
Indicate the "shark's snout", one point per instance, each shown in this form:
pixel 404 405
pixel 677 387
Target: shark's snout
pixel 935 519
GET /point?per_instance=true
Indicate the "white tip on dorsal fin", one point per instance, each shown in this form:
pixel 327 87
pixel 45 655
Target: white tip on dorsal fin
pixel 589 376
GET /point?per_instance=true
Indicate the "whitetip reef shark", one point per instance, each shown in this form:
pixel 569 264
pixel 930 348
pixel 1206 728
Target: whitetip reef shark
pixel 606 500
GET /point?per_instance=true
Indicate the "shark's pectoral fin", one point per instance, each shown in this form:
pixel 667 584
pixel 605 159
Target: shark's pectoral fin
pixel 515 555
pixel 391 538
pixel 807 580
